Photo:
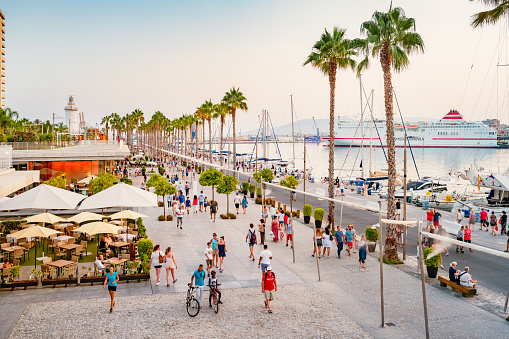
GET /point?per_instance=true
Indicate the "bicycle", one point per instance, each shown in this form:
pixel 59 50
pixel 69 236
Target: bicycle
pixel 214 298
pixel 192 305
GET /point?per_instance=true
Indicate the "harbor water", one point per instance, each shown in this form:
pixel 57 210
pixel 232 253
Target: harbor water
pixel 430 162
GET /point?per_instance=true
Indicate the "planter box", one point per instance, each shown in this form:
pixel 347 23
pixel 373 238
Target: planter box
pixel 138 277
pixel 307 219
pixel 252 195
pixel 318 223
pixel 54 282
pixel 92 280
pixel 432 271
pixel 24 284
pixel 372 247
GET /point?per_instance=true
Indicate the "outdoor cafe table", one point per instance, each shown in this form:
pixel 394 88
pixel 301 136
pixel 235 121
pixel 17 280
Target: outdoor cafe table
pixel 116 222
pixel 122 236
pixel 59 264
pixel 62 238
pixel 62 225
pixel 120 244
pixel 14 248
pixel 115 261
pixel 68 248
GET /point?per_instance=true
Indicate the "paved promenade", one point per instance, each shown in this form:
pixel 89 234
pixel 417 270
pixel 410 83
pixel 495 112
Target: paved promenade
pixel 345 303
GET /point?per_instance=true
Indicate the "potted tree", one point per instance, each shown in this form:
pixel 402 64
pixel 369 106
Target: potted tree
pixel 372 237
pixel 259 192
pixel 307 210
pixel 252 189
pixel 431 263
pixel 318 217
pixel 245 187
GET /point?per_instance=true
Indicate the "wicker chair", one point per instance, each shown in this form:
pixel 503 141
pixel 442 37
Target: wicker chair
pixel 6 274
pixel 46 261
pixel 18 254
pixel 49 244
pixel 4 245
pixel 58 253
pixel 75 258
pixel 71 240
pixel 46 273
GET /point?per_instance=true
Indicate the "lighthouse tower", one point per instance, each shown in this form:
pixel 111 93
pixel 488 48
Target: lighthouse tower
pixel 71 116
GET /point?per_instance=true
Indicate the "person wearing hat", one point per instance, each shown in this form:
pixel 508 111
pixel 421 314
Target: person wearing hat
pixel 269 286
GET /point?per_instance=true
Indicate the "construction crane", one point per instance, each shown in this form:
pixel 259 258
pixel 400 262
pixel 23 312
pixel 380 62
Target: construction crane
pixel 317 137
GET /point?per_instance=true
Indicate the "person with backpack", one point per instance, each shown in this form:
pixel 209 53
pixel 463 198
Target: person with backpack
pixel 244 204
pixel 213 209
pixel 251 239
pixel 157 260
pixel 269 287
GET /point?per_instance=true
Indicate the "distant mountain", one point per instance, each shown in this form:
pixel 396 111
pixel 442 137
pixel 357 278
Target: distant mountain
pixel 306 126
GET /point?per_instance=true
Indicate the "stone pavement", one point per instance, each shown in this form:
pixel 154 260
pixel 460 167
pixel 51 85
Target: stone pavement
pixel 347 296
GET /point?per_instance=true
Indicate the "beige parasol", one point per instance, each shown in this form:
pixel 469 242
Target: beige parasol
pixel 44 217
pixel 98 227
pixel 127 214
pixel 85 216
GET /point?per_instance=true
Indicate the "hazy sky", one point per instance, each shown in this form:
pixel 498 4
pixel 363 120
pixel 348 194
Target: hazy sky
pixel 115 56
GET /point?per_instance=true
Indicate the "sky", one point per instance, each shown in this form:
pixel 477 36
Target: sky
pixel 115 56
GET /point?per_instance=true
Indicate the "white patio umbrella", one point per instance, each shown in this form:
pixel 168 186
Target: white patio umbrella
pixel 86 181
pixel 43 197
pixel 98 227
pixel 46 218
pixel 120 195
pixel 85 216
pixel 35 232
pixel 127 214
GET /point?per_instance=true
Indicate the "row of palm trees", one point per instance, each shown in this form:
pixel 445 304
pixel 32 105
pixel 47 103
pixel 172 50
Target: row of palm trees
pixel 176 134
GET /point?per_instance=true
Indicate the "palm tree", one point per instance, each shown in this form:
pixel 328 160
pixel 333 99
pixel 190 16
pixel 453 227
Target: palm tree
pixel 391 37
pixel 106 121
pixel 116 125
pixel 205 114
pixel 137 116
pixel 220 112
pixel 491 16
pixel 332 52
pixel 234 99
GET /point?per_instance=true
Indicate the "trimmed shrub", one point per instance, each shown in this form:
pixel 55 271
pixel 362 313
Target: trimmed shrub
pixel 169 218
pixel 433 261
pixel 10 225
pixel 259 192
pixel 145 247
pixel 228 216
pixel 258 201
pixel 160 204
pixel 307 211
pixel 319 214
pixel 161 218
pixel 371 234
pixel 251 188
pixel 245 186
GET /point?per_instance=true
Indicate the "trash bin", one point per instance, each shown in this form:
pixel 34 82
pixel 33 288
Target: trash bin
pixel 359 190
pixel 425 205
pixel 369 191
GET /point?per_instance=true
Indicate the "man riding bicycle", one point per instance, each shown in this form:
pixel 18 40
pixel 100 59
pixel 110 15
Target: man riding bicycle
pixel 213 288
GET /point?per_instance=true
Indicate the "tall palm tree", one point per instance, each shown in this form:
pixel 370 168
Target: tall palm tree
pixel 137 117
pixel 206 110
pixel 390 37
pixel 106 122
pixel 332 52
pixel 116 125
pixel 234 99
pixel 490 17
pixel 220 112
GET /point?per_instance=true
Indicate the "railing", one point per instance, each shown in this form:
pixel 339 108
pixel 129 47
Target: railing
pixel 37 145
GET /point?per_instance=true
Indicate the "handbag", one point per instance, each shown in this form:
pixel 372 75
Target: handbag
pixel 496 228
pixel 225 249
pixel 161 258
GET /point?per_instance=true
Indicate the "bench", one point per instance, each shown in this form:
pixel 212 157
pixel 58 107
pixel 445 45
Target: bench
pixel 465 291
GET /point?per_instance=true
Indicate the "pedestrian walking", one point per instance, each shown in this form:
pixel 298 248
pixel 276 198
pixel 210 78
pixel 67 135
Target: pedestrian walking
pixel 213 209
pixel 459 216
pixel 261 229
pixel 436 218
pixel 198 278
pixel 195 204
pixel 221 246
pixel 483 215
pixel 156 260
pixel 180 213
pixel 265 258
pixel 339 235
pixel 205 204
pixel 244 204
pixel 429 218
pixel 289 233
pixel 318 238
pixel 327 241
pixel 274 229
pixel 398 209
pixel 493 223
pixel 471 219
pixel 269 287
pixel 264 213
pixel 251 239
pixel 188 205
pixel 111 280
pixel 362 251
pixel 503 223
pixel 215 250
pixel 170 265
pixel 236 201
pixel 467 237
pixel 272 211
pixel 350 238
pixel 441 231
pixel 187 186
pixel 460 237
pixel 201 200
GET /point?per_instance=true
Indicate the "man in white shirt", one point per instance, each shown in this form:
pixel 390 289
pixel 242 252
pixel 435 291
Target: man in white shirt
pixel 201 198
pixel 180 187
pixel 466 278
pixel 208 257
pixel 99 264
pixel 180 214
pixel 342 188
pixel 272 211
pixel 236 201
pixel 265 257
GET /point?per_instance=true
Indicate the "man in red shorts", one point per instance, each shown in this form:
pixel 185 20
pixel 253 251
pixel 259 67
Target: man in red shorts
pixel 436 218
pixel 289 233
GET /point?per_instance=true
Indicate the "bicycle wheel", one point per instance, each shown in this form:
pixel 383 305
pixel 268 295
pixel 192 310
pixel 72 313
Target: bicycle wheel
pixel 215 302
pixel 193 307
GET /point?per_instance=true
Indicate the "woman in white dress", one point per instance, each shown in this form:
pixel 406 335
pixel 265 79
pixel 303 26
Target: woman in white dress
pixel 327 242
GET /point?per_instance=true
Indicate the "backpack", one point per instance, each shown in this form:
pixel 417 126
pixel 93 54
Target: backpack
pixel 458 278
pixel 161 258
pixel 252 237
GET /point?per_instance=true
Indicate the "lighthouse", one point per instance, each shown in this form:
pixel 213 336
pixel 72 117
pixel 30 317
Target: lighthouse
pixel 71 116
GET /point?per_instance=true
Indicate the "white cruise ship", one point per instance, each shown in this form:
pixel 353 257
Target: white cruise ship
pixel 449 132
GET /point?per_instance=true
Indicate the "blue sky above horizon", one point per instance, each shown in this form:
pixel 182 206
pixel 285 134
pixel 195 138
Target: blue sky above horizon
pixel 115 56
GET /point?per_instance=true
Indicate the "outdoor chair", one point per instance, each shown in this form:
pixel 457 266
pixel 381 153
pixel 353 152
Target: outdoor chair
pixel 49 244
pixel 15 262
pixel 21 242
pixel 97 271
pixel 46 273
pixel 18 254
pixel 4 245
pixel 77 251
pixel 46 261
pixel 75 258
pixel 71 240
pixel 6 274
pixel 60 243
pixel 3 240
pixel 58 253
pixel 84 243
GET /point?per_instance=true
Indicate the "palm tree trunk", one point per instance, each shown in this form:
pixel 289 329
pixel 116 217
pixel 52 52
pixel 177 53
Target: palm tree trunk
pixel 221 141
pixel 210 141
pixel 203 140
pixel 332 85
pixel 234 143
pixel 391 250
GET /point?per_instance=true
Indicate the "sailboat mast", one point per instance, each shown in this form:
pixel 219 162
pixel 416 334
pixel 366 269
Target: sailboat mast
pixel 371 132
pixel 293 134
pixel 362 130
